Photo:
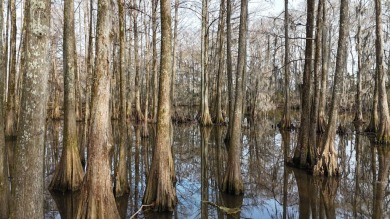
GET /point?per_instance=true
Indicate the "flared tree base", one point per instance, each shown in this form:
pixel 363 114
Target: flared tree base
pixel 232 182
pixel 69 172
pixel 327 165
pixel 205 120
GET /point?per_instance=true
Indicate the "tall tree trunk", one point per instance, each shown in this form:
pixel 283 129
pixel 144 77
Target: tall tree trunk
pixel 316 92
pixel 229 68
pixel 301 153
pixel 145 132
pixel 359 114
pixel 176 21
pixel 160 190
pixel 137 82
pixel 232 181
pixel 28 187
pixel 285 123
pixel 97 199
pixel 219 119
pixel 89 61
pixel 383 135
pixel 327 164
pixel 10 122
pixel 321 123
pixel 154 60
pixel 69 172
pixel 121 182
pixel 4 183
pixel 205 118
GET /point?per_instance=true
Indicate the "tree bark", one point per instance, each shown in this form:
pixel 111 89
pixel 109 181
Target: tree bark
pixel 205 118
pixel 154 61
pixel 383 135
pixel 321 123
pixel 359 114
pixel 232 182
pixel 97 199
pixel 28 187
pixel 121 182
pixel 301 153
pixel 160 190
pixel 69 172
pixel 219 119
pixel 285 123
pixel 327 164
pixel 4 183
pixel 229 68
pixel 137 82
pixel 10 122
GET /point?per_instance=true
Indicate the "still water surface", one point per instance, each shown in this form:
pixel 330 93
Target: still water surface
pixel 272 190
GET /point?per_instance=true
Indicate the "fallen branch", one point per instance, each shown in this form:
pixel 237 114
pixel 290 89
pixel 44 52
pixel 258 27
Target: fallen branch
pixel 139 210
pixel 223 208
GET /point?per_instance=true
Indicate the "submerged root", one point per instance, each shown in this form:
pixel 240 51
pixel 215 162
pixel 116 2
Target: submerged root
pixel 224 209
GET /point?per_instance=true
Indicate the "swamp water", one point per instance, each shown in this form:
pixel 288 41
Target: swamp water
pixel 272 190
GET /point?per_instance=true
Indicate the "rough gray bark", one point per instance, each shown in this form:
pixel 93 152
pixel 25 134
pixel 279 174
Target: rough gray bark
pixel 160 190
pixel 232 182
pixel 29 150
pixel 137 82
pixel 69 172
pixel 327 164
pixel 97 198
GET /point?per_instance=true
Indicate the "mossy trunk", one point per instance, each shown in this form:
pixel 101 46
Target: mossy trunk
pixel 97 198
pixel 160 185
pixel 219 119
pixel 27 181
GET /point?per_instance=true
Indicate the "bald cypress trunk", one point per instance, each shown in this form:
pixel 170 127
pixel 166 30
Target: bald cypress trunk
pixel 4 183
pixel 28 181
pixel 383 135
pixel 327 164
pixel 121 182
pixel 97 198
pixel 10 121
pixel 205 118
pixel 301 153
pixel 232 182
pixel 160 189
pixel 285 123
pixel 69 172
pixel 219 119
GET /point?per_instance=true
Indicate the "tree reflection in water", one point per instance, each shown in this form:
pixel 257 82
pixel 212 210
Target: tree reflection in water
pixel 271 189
